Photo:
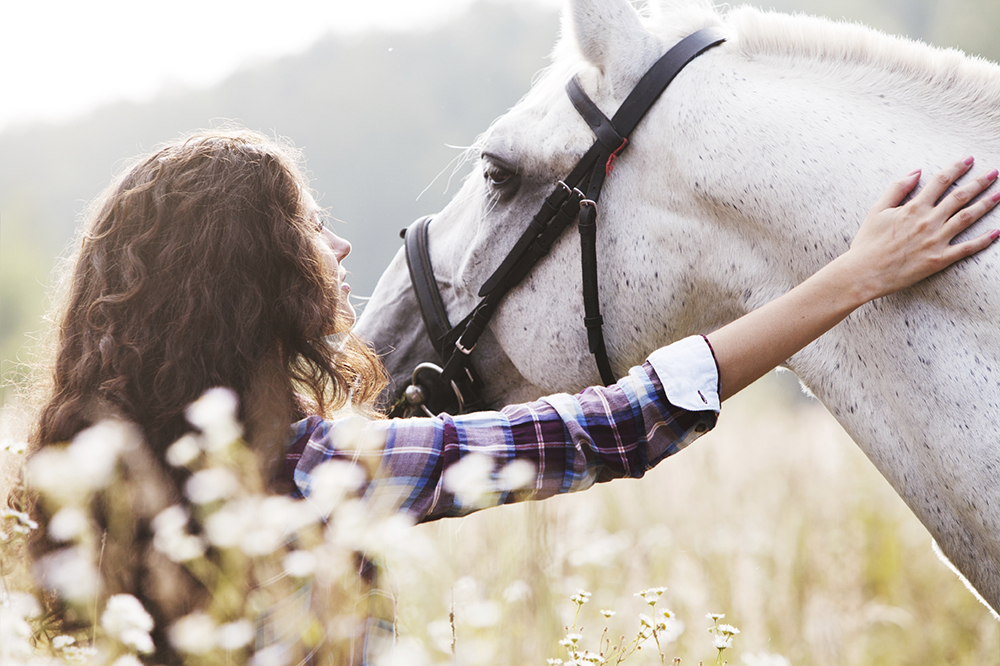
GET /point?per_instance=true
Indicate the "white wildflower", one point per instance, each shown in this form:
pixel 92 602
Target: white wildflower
pixel 728 629
pixel 470 480
pixel 275 518
pixel 13 446
pixel 482 614
pixel 59 642
pixel 715 617
pixel 466 589
pixel 211 485
pixel 126 660
pixel 355 527
pixel 652 595
pixel 16 633
pixel 300 563
pixel 70 474
pixel 671 630
pixel 79 654
pixel 69 523
pixel 70 573
pixel 645 620
pixel 722 642
pixel 554 662
pixel 276 654
pixel 193 634
pixel 332 483
pixel 257 525
pixel 171 538
pixel 354 433
pixel 22 522
pixel 517 475
pixel 215 415
pixel 234 635
pixel 517 591
pixel 126 620
pixel 580 598
pixel 608 614
pixel 19 604
pixel 224 527
pixel 184 451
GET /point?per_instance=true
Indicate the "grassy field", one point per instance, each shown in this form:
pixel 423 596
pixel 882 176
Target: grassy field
pixel 776 519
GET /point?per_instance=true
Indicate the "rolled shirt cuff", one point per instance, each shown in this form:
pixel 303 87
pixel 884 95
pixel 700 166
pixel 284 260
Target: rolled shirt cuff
pixel 689 374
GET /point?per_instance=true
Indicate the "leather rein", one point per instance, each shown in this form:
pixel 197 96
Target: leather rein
pixel 454 388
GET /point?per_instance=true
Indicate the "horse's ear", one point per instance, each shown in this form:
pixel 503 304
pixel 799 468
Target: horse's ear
pixel 611 36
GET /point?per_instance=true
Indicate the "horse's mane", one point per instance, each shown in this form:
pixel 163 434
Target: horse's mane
pixel 853 50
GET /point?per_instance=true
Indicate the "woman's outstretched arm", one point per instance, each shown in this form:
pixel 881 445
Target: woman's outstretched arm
pixel 897 246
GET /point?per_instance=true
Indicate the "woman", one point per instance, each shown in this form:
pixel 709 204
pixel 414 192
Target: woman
pixel 207 264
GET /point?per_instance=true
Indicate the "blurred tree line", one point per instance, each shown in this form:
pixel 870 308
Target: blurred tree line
pixel 379 117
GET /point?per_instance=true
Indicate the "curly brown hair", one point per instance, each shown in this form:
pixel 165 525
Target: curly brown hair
pixel 199 268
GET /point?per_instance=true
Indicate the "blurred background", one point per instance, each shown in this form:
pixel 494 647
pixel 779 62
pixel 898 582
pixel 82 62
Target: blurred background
pixel 382 97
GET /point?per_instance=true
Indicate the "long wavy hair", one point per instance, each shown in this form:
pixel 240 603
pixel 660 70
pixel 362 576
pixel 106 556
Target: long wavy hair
pixel 199 268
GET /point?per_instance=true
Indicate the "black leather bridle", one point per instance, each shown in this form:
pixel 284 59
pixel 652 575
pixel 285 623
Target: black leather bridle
pixel 454 387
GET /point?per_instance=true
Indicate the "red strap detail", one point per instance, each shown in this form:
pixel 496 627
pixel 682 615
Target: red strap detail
pixel 610 166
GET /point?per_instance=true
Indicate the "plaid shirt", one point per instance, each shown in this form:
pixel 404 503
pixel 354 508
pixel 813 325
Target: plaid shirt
pixel 572 442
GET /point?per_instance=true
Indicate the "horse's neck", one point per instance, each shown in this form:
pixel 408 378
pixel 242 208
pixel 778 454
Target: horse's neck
pixel 789 166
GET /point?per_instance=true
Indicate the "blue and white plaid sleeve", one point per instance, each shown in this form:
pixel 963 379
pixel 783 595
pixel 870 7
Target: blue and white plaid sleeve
pixel 566 443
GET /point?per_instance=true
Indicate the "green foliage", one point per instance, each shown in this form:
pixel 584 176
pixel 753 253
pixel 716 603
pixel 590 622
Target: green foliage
pixel 24 267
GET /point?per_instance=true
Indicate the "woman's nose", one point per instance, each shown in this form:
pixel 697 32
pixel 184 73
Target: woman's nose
pixel 341 246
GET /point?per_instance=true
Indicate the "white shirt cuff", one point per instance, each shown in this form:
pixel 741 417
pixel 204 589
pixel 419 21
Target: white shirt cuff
pixel 689 374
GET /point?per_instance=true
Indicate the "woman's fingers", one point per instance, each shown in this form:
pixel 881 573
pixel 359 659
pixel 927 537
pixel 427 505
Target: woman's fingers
pixel 894 196
pixel 965 217
pixel 970 247
pixel 942 180
pixel 961 196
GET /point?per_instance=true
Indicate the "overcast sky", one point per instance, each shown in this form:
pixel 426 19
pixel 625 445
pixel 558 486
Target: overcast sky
pixel 61 58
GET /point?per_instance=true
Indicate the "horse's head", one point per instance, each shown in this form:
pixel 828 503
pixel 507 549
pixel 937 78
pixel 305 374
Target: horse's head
pixel 536 342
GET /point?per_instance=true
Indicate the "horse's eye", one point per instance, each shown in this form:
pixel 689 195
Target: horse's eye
pixel 496 175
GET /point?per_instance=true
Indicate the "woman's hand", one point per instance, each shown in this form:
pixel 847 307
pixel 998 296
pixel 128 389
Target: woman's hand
pixel 899 245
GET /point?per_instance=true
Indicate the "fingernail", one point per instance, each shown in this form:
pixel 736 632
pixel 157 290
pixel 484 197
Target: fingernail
pixel 992 175
pixel 995 234
pixel 995 198
pixel 914 173
pixel 969 160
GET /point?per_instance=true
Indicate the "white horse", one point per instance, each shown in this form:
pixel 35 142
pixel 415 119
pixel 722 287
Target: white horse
pixel 753 170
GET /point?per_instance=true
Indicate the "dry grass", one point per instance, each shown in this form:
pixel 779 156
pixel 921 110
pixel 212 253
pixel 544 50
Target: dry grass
pixel 775 518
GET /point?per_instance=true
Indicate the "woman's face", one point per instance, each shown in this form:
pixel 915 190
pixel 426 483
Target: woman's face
pixel 334 250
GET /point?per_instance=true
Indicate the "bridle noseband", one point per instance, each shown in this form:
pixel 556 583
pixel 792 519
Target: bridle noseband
pixel 436 389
